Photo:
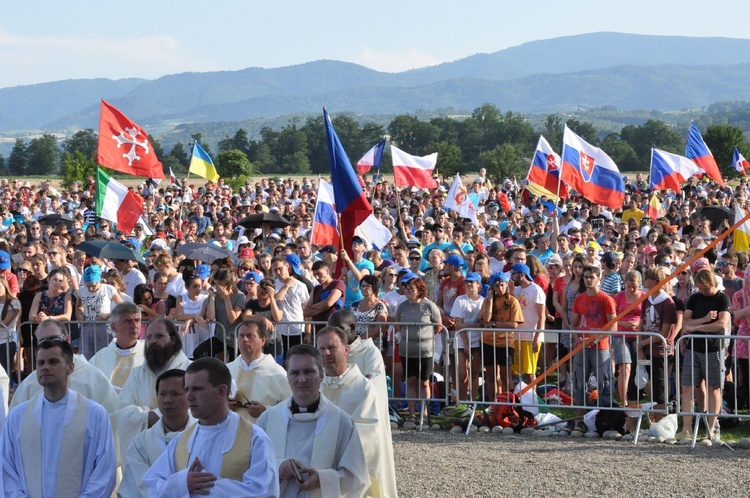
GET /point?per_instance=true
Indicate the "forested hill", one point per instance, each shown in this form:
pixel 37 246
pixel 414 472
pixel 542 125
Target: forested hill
pixel 567 73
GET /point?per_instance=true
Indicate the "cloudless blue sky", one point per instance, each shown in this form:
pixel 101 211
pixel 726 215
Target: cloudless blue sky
pixel 49 41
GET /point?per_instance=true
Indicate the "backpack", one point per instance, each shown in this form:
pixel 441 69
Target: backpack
pixel 610 420
pixel 510 415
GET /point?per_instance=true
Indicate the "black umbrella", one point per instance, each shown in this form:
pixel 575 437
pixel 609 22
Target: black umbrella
pixel 274 220
pixel 717 215
pixel 52 219
pixel 109 250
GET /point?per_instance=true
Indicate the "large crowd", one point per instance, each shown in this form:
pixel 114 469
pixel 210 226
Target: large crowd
pixel 483 306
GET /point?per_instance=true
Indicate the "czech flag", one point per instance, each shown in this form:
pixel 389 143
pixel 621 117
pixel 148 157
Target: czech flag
pixel 739 162
pixel 654 205
pixel 324 230
pixel 591 172
pixel 350 201
pixel 545 169
pixel 670 171
pixel 371 158
pixel 413 171
pixel 697 151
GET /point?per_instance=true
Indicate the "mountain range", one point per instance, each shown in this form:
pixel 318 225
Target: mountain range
pixel 626 71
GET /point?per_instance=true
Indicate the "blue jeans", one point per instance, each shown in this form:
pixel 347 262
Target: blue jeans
pixel 586 362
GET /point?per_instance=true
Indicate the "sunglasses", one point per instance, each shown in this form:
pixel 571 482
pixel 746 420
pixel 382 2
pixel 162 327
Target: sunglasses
pixel 414 258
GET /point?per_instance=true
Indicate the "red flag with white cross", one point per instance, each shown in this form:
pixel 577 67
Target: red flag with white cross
pixel 124 146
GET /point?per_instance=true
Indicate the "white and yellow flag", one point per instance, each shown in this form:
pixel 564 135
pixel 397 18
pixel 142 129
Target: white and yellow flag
pixel 742 233
pixel 458 200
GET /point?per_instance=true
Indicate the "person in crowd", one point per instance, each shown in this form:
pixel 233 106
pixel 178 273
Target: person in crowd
pixel 356 267
pixel 223 453
pixel 592 310
pixel 417 341
pixel 149 445
pixel 305 423
pixel 59 440
pixel 624 343
pixel 466 312
pixel 261 382
pixel 707 312
pixel 529 342
pixel 291 297
pixel 125 352
pixel 370 310
pixel 327 296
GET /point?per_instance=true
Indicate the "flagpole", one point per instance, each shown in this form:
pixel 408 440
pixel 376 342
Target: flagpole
pixel 651 169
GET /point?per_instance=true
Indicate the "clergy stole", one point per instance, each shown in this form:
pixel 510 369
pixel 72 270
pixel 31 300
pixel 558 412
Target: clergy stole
pixel 234 463
pixel 245 381
pixel 121 372
pixel 70 460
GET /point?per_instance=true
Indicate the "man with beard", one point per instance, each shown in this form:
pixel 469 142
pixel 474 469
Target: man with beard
pixel 138 408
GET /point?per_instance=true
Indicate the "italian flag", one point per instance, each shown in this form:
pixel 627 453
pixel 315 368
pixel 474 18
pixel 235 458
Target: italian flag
pixel 114 202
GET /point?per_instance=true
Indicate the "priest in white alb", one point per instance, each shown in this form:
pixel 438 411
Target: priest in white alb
pixel 319 437
pixel 346 387
pixel 86 380
pixel 148 446
pixel 125 351
pixel 137 409
pixel 261 382
pixel 59 443
pixel 223 454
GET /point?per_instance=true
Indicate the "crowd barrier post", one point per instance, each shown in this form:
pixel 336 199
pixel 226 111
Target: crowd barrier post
pixel 503 360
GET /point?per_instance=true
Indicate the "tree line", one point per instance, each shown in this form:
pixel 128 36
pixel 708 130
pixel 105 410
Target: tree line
pixel 503 143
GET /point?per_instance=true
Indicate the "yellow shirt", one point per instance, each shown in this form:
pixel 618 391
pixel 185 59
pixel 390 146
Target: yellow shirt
pixel 632 213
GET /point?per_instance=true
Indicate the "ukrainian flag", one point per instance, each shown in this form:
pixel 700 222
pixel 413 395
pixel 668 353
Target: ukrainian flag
pixel 202 165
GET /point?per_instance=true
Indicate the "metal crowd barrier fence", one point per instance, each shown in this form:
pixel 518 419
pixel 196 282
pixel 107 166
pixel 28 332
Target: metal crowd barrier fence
pixel 713 380
pixel 93 336
pixel 9 342
pixel 497 361
pixel 399 365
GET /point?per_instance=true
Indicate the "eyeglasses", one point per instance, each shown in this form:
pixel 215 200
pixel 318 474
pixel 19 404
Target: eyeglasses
pixel 414 258
pixel 365 286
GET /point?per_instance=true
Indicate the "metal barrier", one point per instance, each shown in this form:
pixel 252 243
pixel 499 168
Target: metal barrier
pixel 704 361
pixel 497 361
pixel 390 339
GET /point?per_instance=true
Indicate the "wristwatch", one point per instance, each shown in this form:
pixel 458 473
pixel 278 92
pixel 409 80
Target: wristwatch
pixel 494 325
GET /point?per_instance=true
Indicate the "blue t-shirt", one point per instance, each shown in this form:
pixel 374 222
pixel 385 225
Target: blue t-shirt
pixel 353 294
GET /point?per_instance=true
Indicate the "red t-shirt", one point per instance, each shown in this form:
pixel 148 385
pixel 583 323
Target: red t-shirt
pixel 542 281
pixel 593 311
pixel 450 290
pixel 559 287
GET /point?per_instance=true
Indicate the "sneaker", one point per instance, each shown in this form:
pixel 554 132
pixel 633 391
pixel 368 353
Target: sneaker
pixel 581 426
pixel 716 438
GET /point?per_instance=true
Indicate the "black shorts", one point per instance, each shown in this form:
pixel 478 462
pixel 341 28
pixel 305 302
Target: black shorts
pixel 492 356
pixel 417 367
pixel 289 341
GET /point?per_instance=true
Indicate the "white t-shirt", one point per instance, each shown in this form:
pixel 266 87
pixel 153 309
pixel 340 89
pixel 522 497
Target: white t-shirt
pixel 132 279
pixel 468 311
pixel 96 302
pixel 294 301
pixel 529 298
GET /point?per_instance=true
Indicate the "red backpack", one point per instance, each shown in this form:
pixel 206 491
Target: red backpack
pixel 510 415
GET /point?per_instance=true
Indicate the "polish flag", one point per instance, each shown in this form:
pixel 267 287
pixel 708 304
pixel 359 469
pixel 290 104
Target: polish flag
pixel 413 171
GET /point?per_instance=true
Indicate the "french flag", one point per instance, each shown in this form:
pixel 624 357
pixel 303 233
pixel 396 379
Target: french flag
pixel 670 171
pixel 739 162
pixel 324 230
pixel 591 172
pixel 350 201
pixel 697 151
pixel 371 158
pixel 545 169
pixel 413 171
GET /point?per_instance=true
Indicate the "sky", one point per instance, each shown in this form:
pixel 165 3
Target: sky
pixel 50 41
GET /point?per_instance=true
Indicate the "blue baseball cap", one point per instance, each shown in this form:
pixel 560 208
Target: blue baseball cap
pixel 203 271
pixel 92 274
pixel 409 277
pixel 522 268
pixel 4 260
pixel 473 276
pixel 294 262
pixel 254 276
pixel 454 260
pixel 498 275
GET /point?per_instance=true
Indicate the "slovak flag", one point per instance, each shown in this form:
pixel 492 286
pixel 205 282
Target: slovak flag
pixel 739 162
pixel 591 172
pixel 697 151
pixel 324 230
pixel 371 158
pixel 670 171
pixel 413 171
pixel 545 169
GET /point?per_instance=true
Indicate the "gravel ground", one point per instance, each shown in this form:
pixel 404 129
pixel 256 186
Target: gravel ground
pixel 451 465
